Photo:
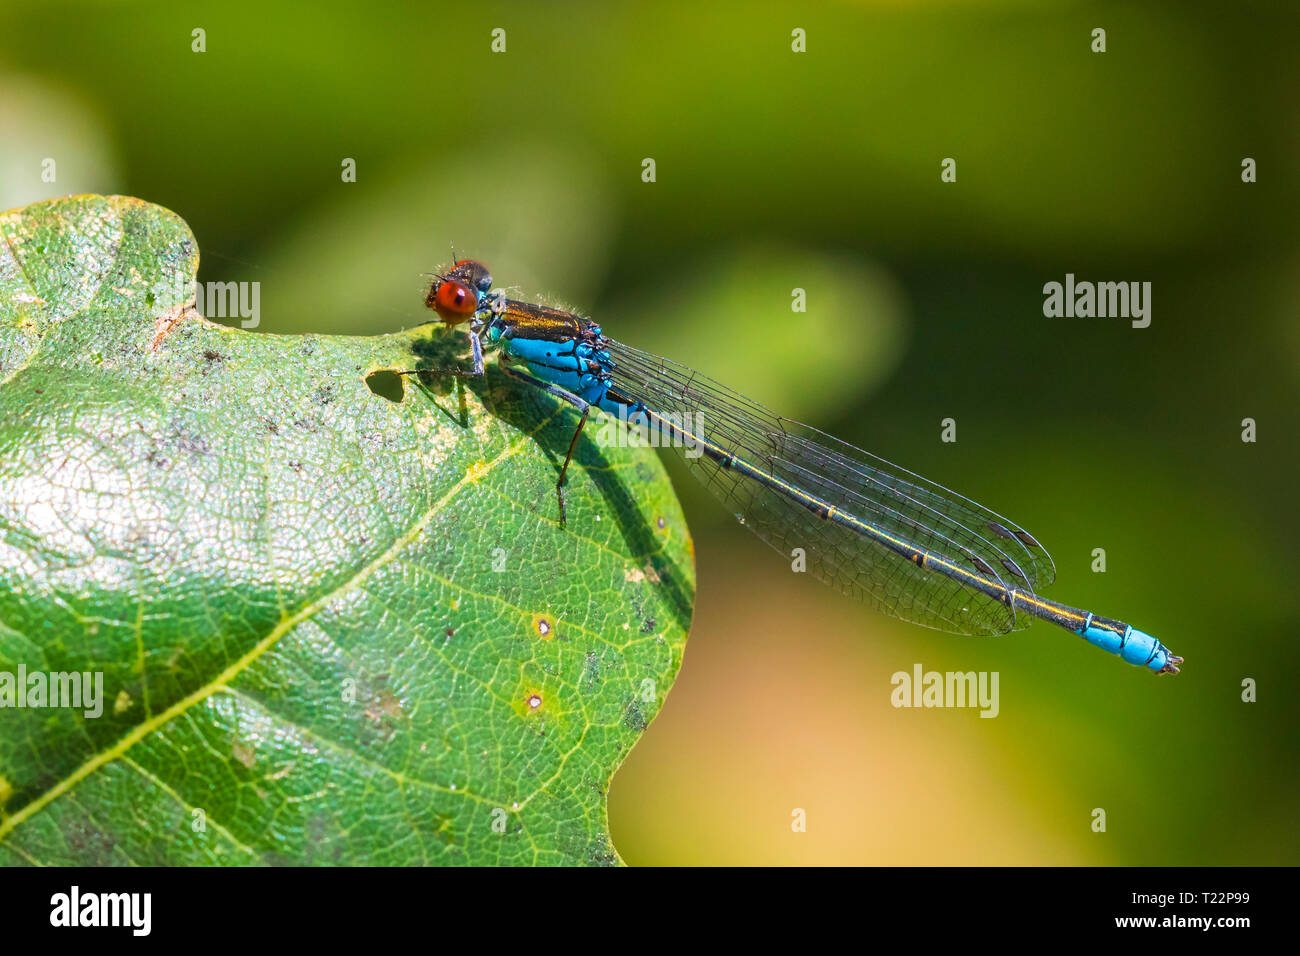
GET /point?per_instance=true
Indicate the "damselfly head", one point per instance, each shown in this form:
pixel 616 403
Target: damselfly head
pixel 455 295
pixel 472 273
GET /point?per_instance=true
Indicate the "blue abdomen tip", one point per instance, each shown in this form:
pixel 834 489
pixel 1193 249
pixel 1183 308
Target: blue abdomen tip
pixel 1136 647
pixel 1141 648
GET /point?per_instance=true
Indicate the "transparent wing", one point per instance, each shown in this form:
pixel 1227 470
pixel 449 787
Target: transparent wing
pixel 902 504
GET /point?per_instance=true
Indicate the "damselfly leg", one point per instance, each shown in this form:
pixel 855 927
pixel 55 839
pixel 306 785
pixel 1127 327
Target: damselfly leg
pixel 578 403
pixel 476 347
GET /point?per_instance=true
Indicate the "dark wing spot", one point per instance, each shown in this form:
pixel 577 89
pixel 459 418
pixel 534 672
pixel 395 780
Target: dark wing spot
pixel 1014 569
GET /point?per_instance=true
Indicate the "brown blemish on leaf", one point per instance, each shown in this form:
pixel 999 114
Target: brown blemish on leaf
pixel 383 704
pixel 243 753
pixel 533 701
pixel 166 322
pixel 637 575
pixel 389 703
pixel 543 626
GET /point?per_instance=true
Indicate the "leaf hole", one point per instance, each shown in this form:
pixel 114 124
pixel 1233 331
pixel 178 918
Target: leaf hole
pixel 386 384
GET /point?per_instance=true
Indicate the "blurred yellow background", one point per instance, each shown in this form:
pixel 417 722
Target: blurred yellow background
pixel 818 170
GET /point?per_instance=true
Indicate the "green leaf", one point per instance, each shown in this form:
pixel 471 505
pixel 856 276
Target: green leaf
pixel 286 579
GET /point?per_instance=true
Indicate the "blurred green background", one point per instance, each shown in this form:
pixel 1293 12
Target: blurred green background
pixel 818 170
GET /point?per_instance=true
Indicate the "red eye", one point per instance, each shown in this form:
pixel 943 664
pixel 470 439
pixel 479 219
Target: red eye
pixel 453 301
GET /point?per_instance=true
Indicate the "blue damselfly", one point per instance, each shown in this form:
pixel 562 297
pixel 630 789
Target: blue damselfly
pixel 908 547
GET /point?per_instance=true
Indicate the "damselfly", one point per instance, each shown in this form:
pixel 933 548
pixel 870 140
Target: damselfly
pixel 906 546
